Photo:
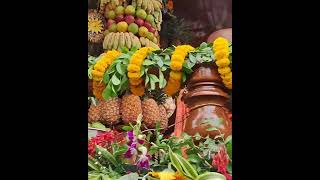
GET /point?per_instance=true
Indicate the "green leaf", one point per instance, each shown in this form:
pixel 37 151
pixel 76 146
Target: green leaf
pixel 162 81
pixel 197 136
pixel 126 128
pixel 124 56
pixel 134 49
pixel 107 92
pixel 203 45
pixel 194 158
pixel 211 176
pixel 212 129
pixel 154 77
pixel 192 58
pixel 106 154
pixel 152 84
pixel 143 71
pixel 148 62
pixel 184 77
pixel 115 80
pixel 160 63
pixel 124 50
pixel 146 81
pixel 114 92
pixel 163 68
pixel 120 69
pixel 131 176
pixel 167 60
pixel 175 162
pixel 106 78
pixel 187 167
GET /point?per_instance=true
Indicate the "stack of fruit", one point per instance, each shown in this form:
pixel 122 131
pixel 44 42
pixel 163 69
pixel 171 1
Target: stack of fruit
pixel 135 25
pixel 154 110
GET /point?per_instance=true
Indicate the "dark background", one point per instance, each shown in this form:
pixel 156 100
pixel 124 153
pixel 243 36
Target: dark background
pixel 204 16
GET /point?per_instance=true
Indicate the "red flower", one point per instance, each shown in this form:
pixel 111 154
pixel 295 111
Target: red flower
pixel 221 161
pixel 103 140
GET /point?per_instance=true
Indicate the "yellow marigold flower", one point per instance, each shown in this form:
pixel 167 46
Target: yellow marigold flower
pixel 136 61
pixel 99 67
pixel 177 58
pixel 227 77
pixel 224 70
pixel 229 86
pixel 164 175
pixel 180 176
pixel 137 90
pixel 135 82
pixel 97 75
pixel 135 75
pixel 220 41
pixel 227 81
pixel 221 54
pixel 223 62
pixel 133 68
pixel 176 66
pixel 176 75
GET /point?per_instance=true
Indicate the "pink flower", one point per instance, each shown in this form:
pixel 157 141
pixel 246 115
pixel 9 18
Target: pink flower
pixel 221 161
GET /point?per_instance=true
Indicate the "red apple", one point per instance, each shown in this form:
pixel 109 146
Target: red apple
pixel 139 22
pixel 147 25
pixel 119 18
pixel 129 19
pixel 110 22
pixel 152 29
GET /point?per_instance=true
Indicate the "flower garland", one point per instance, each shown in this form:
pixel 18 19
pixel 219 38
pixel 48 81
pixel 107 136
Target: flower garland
pixel 221 53
pixel 177 60
pixel 99 69
pixel 134 67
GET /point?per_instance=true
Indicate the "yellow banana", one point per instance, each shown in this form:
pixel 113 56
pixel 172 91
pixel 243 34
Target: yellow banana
pixel 121 41
pixel 106 41
pixel 134 3
pixel 110 40
pixel 144 4
pixel 139 3
pixel 128 40
pixel 116 41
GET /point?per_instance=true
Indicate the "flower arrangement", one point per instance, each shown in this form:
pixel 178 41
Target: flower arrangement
pixel 177 60
pixel 221 53
pixel 134 68
pixel 149 155
pixel 149 69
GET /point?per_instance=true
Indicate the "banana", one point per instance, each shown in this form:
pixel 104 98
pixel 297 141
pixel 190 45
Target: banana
pixel 155 5
pixel 156 16
pixel 110 42
pixel 116 2
pixel 144 4
pixel 106 41
pixel 128 40
pixel 121 40
pixel 134 3
pixel 139 3
pixel 138 44
pixel 116 41
pixel 143 41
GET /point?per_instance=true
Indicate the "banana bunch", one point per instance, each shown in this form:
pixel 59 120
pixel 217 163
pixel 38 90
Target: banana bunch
pixel 147 43
pixel 150 6
pixel 120 40
pixel 106 5
pixel 158 19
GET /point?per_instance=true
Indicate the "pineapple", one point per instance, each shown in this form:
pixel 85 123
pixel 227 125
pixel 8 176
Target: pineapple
pixel 163 117
pixel 94 114
pixel 110 111
pixel 150 112
pixel 130 108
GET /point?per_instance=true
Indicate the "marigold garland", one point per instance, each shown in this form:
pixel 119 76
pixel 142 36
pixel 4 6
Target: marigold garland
pixel 99 69
pixel 177 60
pixel 134 67
pixel 221 53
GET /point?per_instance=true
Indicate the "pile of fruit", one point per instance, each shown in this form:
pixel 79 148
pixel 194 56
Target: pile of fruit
pixel 134 25
pixel 154 108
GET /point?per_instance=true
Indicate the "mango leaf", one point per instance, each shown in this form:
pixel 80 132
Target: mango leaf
pixel 123 56
pixel 120 69
pixel 212 129
pixel 143 71
pixel 134 49
pixel 146 81
pixel 163 68
pixel 184 77
pixel 152 84
pixel 148 62
pixel 167 60
pixel 154 77
pixel 124 50
pixel 203 45
pixel 114 92
pixel 197 136
pixel 115 80
pixel 106 78
pixel 162 81
pixel 160 63
pixel 107 92
pixel 192 58
pixel 198 57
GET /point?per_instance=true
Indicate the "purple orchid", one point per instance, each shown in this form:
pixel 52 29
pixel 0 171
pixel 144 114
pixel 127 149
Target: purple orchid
pixel 144 158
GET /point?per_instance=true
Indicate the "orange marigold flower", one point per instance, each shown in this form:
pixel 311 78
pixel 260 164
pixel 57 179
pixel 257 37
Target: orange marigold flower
pixel 137 90
pixel 134 75
pixel 133 68
pixel 135 82
pixel 176 75
pixel 169 5
pixel 98 88
pixel 176 66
